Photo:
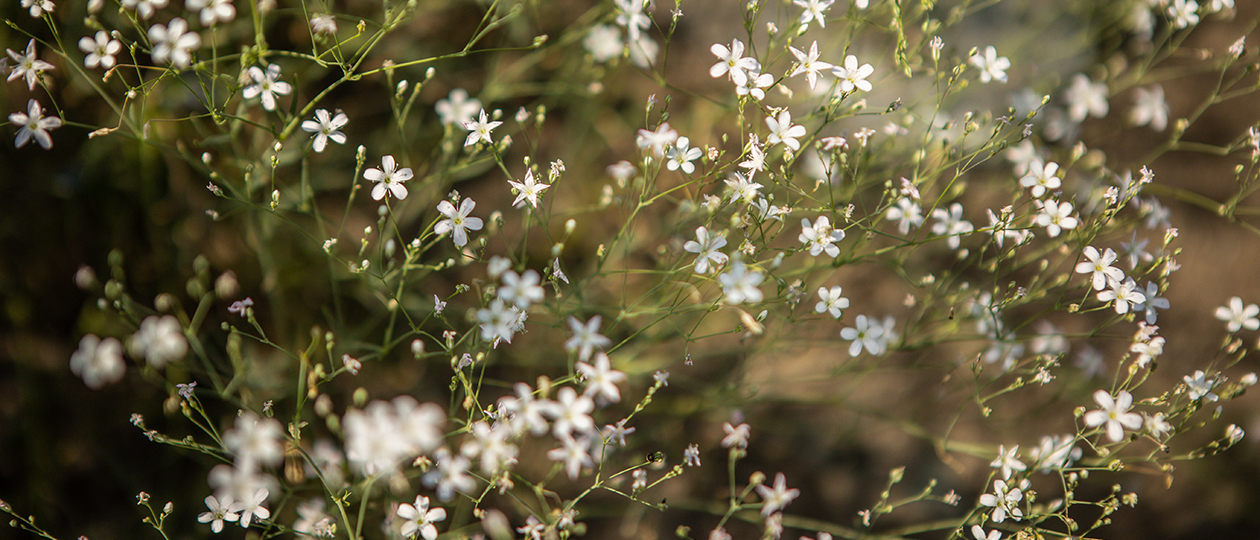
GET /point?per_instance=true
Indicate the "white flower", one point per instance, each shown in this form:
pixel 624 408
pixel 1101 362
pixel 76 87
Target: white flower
pixel 527 190
pixel 1114 413
pixel 814 11
pixel 656 140
pixel 1008 461
pixel 34 124
pixel 1237 317
pixel 991 66
pixel 98 361
pixel 777 497
pixel 1102 273
pixel 37 8
pixel 491 442
pixel 389 180
pixel 266 86
pixel 706 247
pixel 978 533
pixel 736 436
pixel 255 440
pixel 1147 350
pixel 159 340
pixel 1149 108
pixel 325 24
pixel 1055 453
pixel 630 16
pixel 1153 301
pixel 1200 387
pixel 852 76
pixel 457 108
pixel 326 126
pixel 907 213
pixel 739 284
pixel 830 301
pixel 603 42
pixel 457 222
pixel 820 236
pixel 1085 98
pixel 212 11
pixel 571 413
pixel 755 86
pixel 742 187
pixel 732 62
pixel 496 321
pixel 27 65
pixel 144 8
pixel 418 518
pixel 479 130
pixel 809 64
pixel 173 44
pixel 220 511
pixel 950 223
pixel 1184 13
pixel 574 452
pixel 1005 501
pixel 680 156
pixel 691 455
pixel 100 50
pixel 865 332
pixel 1056 217
pixel 586 337
pixel 1041 177
pixel 1123 294
pixel 251 508
pixel 601 379
pixel 782 131
pixel 450 475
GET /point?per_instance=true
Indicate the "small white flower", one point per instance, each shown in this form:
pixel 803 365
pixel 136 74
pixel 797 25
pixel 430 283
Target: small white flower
pixel 777 497
pixel 266 86
pixel 1005 502
pixel 853 76
pixel 706 246
pixel 739 284
pixel 1238 317
pixel 37 8
pixel 820 237
pixel 1041 177
pixel 527 190
pixel 418 518
pixel 731 61
pixel 865 332
pixel 782 131
pixel 814 11
pixel 326 126
pixel 680 156
pixel 212 11
pixel 1124 294
pixel 657 140
pixel 1008 461
pixel 1085 98
pixel 691 456
pixel 389 180
pixel 991 66
pixel 1102 274
pixel 1200 387
pixel 457 222
pixel 907 213
pixel 830 301
pixel 457 108
pixel 173 44
pixel 521 289
pixel 159 340
pixel 950 223
pixel 100 50
pixel 252 508
pixel 98 361
pixel 27 65
pixel 144 8
pixel 1184 13
pixel 34 124
pixel 1114 414
pixel 742 187
pixel 1149 108
pixel 586 337
pixel 220 511
pixel 1056 217
pixel 479 130
pixel 809 64
pixel 736 436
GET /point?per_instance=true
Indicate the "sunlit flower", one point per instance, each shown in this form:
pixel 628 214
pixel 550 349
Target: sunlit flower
pixel 809 64
pixel 706 246
pixel 98 361
pixel 173 44
pixel 266 86
pixel 732 62
pixel 212 11
pixel 992 67
pixel 527 190
pixel 220 511
pixel 1238 317
pixel 782 131
pixel 830 301
pixel 479 130
pixel 739 284
pixel 389 180
pixel 1149 108
pixel 852 75
pixel 418 518
pixel 27 65
pixel 326 126
pixel 1113 414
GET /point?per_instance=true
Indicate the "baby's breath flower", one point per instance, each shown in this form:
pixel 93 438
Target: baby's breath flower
pixel 173 44
pixel 1238 317
pixel 1113 414
pixel 479 130
pixel 991 66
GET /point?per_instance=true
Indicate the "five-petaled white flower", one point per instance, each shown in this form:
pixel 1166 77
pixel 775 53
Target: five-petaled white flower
pixel 733 62
pixel 457 222
pixel 777 497
pixel 680 156
pixel 326 126
pixel 1099 266
pixel 98 361
pixel 907 213
pixel 1184 13
pixel 418 518
pixel 1123 294
pixel 742 187
pixel 809 64
pixel 27 65
pixel 100 50
pixel 657 140
pixel 814 11
pixel 389 179
pixel 1239 317
pixel 252 507
pixel 992 67
pixel 852 75
pixel 706 246
pixel 1200 387
pixel 1004 500
pixel 527 190
pixel 1086 98
pixel 220 511
pixel 949 222
pixel 457 108
pixel 479 130
pixel 266 86
pixel 1041 177
pixel 865 332
pixel 821 236
pixel 586 336
pixel 782 131
pixel 830 301
pixel 1008 461
pixel 739 284
pixel 37 8
pixel 173 44
pixel 144 8
pixel 978 532
pixel 1149 108
pixel 34 124
pixel 736 436
pixel 212 11
pixel 601 379
pixel 1056 217
pixel 1113 414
